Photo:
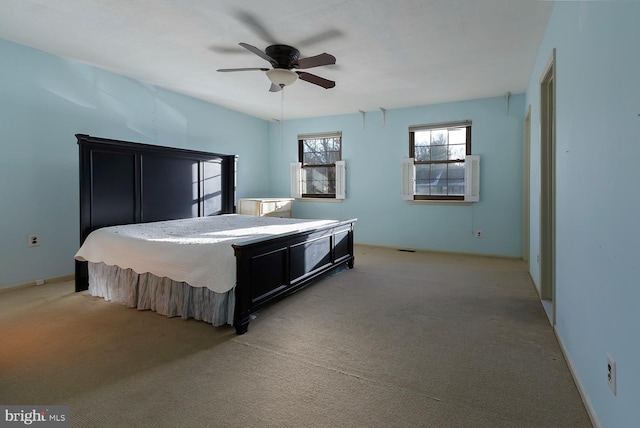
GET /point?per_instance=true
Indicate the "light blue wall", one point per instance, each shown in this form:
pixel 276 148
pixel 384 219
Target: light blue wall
pixel 598 145
pixel 373 155
pixel 44 101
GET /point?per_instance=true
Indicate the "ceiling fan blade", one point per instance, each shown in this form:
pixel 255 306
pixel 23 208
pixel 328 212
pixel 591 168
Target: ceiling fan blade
pixel 321 37
pixel 257 27
pixel 316 80
pixel 226 49
pixel 257 51
pixel 275 88
pixel 316 61
pixel 224 70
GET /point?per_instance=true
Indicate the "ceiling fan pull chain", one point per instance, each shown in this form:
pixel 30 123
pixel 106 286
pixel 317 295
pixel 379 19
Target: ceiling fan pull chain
pixel 281 112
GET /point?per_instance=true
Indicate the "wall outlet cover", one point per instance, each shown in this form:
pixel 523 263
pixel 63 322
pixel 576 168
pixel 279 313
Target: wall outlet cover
pixel 33 240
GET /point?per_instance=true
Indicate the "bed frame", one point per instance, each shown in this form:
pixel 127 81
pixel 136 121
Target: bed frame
pixel 123 182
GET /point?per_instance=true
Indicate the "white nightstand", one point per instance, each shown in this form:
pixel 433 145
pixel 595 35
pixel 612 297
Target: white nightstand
pixel 266 207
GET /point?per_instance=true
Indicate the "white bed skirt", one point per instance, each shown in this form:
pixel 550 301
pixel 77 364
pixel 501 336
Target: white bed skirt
pixel 162 295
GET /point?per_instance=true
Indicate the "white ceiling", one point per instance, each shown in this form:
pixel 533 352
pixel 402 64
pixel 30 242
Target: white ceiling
pixel 390 54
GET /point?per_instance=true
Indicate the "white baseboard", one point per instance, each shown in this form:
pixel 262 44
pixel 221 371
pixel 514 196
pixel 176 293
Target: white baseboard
pixel 585 398
pixel 54 279
pixel 425 250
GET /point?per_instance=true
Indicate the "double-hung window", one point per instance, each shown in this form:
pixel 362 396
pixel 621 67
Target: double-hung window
pixel 319 172
pixel 441 163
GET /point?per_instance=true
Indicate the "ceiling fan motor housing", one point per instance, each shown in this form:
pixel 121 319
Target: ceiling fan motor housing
pixel 284 56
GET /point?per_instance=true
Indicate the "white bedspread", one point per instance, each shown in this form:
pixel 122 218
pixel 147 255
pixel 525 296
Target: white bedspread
pixel 196 250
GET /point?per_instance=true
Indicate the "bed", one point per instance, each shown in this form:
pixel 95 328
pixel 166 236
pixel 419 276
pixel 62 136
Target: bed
pixel 127 186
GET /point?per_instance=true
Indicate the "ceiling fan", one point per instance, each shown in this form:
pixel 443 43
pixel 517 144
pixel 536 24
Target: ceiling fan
pixel 286 62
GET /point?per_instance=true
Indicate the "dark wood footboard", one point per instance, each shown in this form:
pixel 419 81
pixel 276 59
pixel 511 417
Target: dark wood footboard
pixel 269 269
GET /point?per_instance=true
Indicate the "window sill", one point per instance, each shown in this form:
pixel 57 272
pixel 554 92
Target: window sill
pixel 438 202
pixel 330 200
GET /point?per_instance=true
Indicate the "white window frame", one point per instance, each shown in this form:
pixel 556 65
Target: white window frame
pixel 297 172
pixel 471 171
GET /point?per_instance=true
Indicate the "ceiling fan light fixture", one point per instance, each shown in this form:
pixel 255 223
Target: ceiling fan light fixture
pixel 282 77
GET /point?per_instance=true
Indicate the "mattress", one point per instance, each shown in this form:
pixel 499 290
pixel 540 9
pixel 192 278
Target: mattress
pixel 196 251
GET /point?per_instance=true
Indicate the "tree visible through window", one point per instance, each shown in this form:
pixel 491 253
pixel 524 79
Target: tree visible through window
pixel 439 154
pixel 318 154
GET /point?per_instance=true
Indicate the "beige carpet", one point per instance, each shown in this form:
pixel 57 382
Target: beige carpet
pixel 404 339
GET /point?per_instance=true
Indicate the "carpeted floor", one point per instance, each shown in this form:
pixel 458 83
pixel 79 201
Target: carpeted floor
pixel 404 339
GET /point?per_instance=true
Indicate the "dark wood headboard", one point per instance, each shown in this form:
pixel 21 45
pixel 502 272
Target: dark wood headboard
pixel 122 182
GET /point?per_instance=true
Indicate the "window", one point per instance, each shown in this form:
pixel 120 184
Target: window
pixel 321 169
pixel 438 153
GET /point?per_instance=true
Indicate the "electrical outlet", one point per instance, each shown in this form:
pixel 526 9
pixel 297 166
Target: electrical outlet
pixel 478 234
pixel 33 240
pixel 611 373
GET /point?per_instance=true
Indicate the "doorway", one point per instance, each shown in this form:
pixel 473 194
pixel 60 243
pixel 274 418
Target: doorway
pixel 548 188
pixel 526 181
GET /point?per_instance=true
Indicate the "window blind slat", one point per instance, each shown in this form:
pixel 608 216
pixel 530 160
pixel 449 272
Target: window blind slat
pixel 463 123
